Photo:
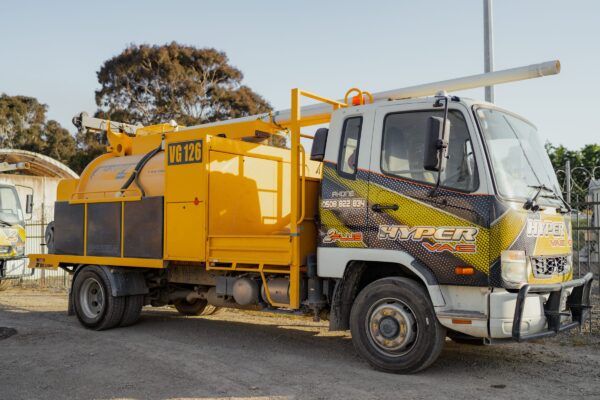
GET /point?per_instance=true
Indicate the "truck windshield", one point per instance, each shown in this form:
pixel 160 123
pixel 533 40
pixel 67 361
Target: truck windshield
pixel 519 160
pixel 10 210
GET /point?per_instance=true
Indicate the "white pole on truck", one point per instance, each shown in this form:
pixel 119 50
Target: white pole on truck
pixel 488 46
pixel 283 117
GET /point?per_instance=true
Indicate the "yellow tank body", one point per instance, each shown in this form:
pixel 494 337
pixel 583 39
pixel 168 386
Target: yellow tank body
pixel 109 175
pixel 212 197
pixel 225 202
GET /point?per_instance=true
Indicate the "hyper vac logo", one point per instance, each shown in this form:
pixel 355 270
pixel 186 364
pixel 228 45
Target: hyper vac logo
pixel 453 239
pixel 184 152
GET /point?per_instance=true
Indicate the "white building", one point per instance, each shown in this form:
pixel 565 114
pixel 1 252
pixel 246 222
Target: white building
pixel 41 180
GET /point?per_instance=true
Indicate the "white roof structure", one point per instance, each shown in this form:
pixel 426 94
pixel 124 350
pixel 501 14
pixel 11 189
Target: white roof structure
pixel 40 165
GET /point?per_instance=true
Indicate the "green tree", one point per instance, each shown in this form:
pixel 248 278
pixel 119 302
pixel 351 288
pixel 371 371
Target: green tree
pixel 23 125
pixel 89 146
pixel 154 84
pixel 585 165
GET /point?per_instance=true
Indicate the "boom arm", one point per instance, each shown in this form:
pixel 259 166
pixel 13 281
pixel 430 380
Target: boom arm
pixel 84 122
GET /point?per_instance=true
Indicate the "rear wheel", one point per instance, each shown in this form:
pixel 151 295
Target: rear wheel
pixel 196 307
pixel 94 304
pixel 394 326
pixel 209 310
pixel 133 309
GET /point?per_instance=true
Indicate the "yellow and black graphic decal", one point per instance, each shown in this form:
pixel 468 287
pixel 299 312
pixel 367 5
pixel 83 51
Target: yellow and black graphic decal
pixel 450 230
pixel 184 152
pixel 434 234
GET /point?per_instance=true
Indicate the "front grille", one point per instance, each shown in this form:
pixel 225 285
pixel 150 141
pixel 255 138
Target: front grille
pixel 545 267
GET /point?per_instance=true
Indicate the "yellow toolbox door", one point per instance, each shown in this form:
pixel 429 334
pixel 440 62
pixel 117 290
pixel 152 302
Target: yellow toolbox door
pixel 185 231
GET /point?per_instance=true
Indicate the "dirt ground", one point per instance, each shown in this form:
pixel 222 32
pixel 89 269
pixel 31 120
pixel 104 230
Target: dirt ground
pixel 239 355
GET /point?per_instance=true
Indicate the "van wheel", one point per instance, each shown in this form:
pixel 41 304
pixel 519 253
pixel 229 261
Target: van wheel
pixel 394 326
pixel 95 307
pixel 194 308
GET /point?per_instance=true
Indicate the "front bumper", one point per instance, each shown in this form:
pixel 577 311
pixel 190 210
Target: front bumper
pixel 3 262
pixel 577 307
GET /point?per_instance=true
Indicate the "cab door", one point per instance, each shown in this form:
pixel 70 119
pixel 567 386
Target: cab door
pixel 344 189
pixel 443 227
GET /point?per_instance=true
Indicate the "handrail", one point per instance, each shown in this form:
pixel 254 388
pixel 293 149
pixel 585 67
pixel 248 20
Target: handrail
pixel 105 199
pixel 296 122
pixel 322 99
pixel 359 99
pixel 303 188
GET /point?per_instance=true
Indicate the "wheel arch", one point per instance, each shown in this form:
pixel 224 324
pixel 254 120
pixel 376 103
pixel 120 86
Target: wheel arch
pixel 359 273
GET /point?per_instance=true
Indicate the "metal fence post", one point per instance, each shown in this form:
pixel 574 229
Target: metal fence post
pixel 568 180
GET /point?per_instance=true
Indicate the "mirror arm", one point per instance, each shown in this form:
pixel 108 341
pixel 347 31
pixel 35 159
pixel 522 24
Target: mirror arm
pixel 441 143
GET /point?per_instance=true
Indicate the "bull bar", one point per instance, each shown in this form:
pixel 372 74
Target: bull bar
pixel 578 306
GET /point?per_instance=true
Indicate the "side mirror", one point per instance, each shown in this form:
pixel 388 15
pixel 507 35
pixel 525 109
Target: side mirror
pixel 29 204
pixel 436 144
pixel 317 151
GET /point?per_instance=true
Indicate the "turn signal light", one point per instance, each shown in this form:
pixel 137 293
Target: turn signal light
pixel 464 271
pixel 462 321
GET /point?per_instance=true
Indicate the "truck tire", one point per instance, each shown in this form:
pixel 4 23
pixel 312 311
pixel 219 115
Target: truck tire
pixel 95 307
pixel 133 309
pixel 209 310
pixel 192 309
pixel 394 326
pixel 49 237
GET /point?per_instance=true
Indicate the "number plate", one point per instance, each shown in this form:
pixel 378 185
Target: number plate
pixel 184 152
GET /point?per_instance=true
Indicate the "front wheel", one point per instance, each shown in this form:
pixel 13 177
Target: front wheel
pixel 394 326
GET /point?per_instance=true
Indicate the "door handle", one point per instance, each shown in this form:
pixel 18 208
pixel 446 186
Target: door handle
pixel 381 207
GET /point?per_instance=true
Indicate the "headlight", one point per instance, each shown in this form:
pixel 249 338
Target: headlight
pixel 515 271
pixel 11 234
pixel 20 249
pixel 5 249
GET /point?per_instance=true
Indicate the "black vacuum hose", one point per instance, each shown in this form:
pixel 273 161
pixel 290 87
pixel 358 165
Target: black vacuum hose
pixel 138 168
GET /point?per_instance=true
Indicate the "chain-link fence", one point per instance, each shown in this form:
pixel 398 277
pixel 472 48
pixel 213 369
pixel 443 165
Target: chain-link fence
pixel 581 189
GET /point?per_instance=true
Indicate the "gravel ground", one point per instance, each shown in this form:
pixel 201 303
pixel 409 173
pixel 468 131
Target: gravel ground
pixel 238 355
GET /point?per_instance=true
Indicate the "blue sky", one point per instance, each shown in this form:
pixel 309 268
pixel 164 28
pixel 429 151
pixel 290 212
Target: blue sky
pixel 52 49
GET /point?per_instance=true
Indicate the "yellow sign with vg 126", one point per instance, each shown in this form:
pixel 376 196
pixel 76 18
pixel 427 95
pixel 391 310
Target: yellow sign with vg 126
pixel 184 152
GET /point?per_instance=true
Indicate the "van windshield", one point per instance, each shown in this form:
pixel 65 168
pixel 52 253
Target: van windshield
pixel 519 161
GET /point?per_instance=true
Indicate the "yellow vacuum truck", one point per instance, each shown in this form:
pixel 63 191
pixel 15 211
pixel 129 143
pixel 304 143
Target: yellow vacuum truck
pixel 412 219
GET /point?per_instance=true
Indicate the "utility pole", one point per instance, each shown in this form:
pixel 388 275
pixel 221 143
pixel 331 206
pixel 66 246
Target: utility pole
pixel 488 46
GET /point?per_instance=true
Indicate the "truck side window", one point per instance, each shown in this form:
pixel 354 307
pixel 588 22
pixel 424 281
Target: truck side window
pixel 404 144
pixel 348 158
